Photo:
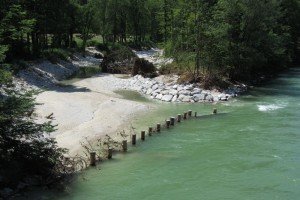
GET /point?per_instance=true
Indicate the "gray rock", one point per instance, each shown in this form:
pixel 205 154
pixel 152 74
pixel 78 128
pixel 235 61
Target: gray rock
pixel 188 87
pixel 149 91
pixel 157 91
pixel 185 92
pixel 167 98
pixel 210 98
pixel 196 91
pixel 165 92
pixel 154 87
pixel 186 99
pixel 199 97
pixel 215 98
pixel 174 98
pixel 179 88
pixel 159 96
pixel 154 95
pixel 181 97
pixel 173 92
pixel 223 97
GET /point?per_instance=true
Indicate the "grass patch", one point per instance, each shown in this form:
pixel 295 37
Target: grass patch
pixel 56 54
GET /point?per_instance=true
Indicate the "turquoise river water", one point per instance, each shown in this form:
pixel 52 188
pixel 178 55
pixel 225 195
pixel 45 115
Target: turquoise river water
pixel 251 151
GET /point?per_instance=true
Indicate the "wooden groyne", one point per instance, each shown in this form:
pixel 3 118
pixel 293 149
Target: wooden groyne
pixel 158 128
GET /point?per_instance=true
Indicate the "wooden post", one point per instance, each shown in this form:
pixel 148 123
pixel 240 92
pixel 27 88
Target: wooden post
pixel 93 158
pixel 143 135
pixel 172 121
pixel 168 123
pixel 109 155
pixel 184 115
pixel 196 115
pixel 158 128
pixel 215 111
pixel 150 131
pixel 133 139
pixel 190 113
pixel 124 145
pixel 179 118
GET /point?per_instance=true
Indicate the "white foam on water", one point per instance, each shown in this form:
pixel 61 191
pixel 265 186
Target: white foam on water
pixel 270 107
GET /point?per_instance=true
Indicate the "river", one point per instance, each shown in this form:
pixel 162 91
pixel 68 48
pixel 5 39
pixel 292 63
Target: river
pixel 250 151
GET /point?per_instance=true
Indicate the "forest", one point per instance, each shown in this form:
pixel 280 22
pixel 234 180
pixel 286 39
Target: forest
pixel 211 41
pixel 237 39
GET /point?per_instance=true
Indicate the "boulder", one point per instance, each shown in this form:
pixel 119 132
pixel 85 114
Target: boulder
pixel 159 96
pixel 186 99
pixel 149 91
pixel 154 87
pixel 173 92
pixel 199 97
pixel 174 98
pixel 196 91
pixel 223 97
pixel 210 98
pixel 185 92
pixel 157 90
pixel 167 98
pixel 165 92
pixel 181 97
pixel 188 87
pixel 154 95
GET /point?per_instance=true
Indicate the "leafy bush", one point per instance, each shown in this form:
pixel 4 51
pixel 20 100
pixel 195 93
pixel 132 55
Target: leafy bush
pixel 119 60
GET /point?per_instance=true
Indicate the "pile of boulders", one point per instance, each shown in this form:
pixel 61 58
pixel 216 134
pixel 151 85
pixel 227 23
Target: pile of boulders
pixel 172 92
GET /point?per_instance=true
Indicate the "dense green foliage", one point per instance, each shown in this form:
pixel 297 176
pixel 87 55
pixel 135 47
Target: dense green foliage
pixel 25 150
pixel 234 38
pixel 238 38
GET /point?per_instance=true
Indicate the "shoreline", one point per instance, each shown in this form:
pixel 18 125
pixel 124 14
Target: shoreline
pixel 87 111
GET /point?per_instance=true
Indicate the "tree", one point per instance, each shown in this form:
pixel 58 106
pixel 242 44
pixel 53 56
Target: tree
pixel 15 25
pixel 24 148
pixel 87 20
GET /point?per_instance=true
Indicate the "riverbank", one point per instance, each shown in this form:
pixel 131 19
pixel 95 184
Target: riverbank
pixel 89 109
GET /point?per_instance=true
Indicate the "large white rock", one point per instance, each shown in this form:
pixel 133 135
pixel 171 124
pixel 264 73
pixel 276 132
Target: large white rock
pixel 157 90
pixel 210 98
pixel 196 91
pixel 185 92
pixel 173 92
pixel 186 99
pixel 181 97
pixel 188 87
pixel 149 91
pixel 165 92
pixel 159 96
pixel 174 98
pixel 179 88
pixel 154 87
pixel 167 98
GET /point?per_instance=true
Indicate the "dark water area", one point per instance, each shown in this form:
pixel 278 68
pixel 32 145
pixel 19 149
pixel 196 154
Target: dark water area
pixel 252 151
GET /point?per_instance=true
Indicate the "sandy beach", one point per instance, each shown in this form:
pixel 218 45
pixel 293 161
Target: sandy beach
pixel 88 109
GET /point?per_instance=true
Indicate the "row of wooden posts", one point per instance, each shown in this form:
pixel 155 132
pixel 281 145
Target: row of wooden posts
pixel 170 122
